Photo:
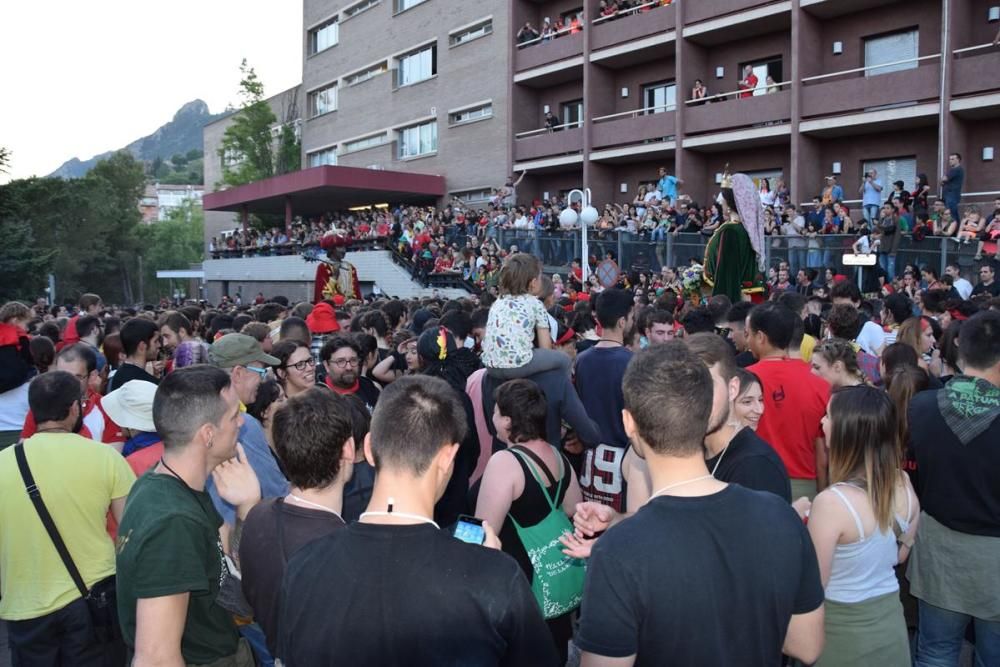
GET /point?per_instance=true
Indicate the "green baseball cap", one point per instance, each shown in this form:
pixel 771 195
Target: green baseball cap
pixel 238 350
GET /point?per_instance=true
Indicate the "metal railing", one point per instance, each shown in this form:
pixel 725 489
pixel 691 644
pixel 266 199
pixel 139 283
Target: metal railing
pixel 548 38
pixel 543 130
pixel 867 68
pixel 630 10
pixel 740 92
pixel 651 251
pixel 635 113
pixel 977 47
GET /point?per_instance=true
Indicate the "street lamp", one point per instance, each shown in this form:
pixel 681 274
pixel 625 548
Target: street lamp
pixel 587 217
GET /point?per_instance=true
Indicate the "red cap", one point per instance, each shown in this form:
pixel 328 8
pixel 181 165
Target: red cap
pixel 338 299
pixel 322 319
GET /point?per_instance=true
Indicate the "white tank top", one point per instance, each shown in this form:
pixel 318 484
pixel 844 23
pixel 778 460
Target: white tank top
pixel 864 569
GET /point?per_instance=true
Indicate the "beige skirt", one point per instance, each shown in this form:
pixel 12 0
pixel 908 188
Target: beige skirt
pixel 872 632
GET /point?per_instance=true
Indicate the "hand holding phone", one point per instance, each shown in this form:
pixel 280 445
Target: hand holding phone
pixel 470 529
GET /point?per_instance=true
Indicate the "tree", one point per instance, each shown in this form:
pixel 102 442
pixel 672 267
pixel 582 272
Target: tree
pixel 247 150
pixel 174 243
pixel 23 265
pixel 195 154
pixel 4 159
pixel 178 161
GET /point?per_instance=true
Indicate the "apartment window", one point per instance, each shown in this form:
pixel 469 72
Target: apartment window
pixel 323 37
pixel 403 5
pixel 472 113
pixel 418 139
pixel 417 66
pixel 772 176
pixel 572 113
pixel 471 196
pixel 359 7
pixel 891 49
pixel 363 143
pixel 468 34
pixel 365 74
pixel 766 67
pixel 323 157
pixel 659 97
pixel 891 170
pixel 572 14
pixel 323 101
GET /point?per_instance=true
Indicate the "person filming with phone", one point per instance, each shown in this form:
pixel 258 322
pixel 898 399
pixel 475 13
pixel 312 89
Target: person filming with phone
pixel 530 490
pixel 395 589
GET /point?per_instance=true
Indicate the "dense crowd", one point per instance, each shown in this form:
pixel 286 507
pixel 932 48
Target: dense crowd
pixel 625 475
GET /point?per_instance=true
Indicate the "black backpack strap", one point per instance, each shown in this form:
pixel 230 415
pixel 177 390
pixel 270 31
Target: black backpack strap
pixel 46 518
pixel 538 462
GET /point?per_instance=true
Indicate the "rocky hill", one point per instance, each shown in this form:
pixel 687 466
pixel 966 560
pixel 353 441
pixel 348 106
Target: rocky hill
pixel 180 135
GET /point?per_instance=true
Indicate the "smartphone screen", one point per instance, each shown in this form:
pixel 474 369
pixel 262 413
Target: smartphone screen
pixel 470 529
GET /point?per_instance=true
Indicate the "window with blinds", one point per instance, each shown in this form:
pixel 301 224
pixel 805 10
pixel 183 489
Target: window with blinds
pixel 892 169
pixel 887 53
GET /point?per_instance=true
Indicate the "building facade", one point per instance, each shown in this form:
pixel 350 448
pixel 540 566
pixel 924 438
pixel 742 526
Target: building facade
pixel 159 199
pixel 448 88
pixel 856 84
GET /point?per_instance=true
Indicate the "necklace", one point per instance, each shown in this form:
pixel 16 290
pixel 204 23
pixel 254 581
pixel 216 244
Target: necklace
pixel 608 340
pixel 403 515
pixel 186 485
pixel 315 505
pixel 716 466
pixel 681 483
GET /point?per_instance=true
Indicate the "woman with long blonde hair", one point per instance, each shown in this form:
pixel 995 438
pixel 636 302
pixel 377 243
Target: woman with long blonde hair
pixel 862 526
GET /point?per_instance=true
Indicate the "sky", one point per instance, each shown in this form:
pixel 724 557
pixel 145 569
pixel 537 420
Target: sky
pixel 81 78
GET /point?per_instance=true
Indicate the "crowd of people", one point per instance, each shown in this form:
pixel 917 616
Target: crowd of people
pixel 571 23
pixel 538 475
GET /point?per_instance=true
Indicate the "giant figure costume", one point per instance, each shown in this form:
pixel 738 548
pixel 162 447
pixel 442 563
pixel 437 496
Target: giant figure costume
pixel 335 276
pixel 734 257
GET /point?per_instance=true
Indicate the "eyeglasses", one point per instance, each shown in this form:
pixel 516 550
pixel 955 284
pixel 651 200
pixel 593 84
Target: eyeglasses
pixel 344 363
pixel 301 366
pixel 262 372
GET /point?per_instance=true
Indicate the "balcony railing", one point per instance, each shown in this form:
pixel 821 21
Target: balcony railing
pixel 546 129
pixel 974 70
pixel 729 111
pixel 742 93
pixel 635 113
pixel 644 125
pixel 632 10
pixel 855 91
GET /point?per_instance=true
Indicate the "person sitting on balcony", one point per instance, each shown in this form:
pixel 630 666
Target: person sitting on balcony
pixel 605 8
pixel 527 33
pixel 698 92
pixel 551 122
pixel 548 32
pixel 771 86
pixel 575 25
pixel 558 27
pixel 972 225
pixel 748 83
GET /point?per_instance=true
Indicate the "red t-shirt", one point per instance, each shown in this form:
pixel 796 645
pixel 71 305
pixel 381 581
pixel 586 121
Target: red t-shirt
pixel 111 432
pixel 794 404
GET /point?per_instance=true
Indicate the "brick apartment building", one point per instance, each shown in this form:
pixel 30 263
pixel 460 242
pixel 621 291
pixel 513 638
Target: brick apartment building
pixel 443 87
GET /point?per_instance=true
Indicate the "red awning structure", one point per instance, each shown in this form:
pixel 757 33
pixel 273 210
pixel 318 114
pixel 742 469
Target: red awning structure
pixel 314 191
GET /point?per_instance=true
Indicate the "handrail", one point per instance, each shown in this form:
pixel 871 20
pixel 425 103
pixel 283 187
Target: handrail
pixel 635 112
pixel 540 38
pixel 973 48
pixel 777 85
pixel 625 12
pixel 543 130
pixel 870 67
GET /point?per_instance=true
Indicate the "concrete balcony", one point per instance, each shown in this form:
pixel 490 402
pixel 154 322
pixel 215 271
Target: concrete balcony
pixel 854 92
pixel 975 72
pixel 540 54
pixel 738 113
pixel 548 144
pixel 713 9
pixel 626 29
pixel 632 128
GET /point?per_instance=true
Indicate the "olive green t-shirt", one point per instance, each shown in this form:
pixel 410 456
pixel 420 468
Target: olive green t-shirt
pixel 168 543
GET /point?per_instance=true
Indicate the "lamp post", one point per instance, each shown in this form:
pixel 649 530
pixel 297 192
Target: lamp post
pixel 587 217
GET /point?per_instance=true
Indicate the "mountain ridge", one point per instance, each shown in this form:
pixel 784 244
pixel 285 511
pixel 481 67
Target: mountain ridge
pixel 179 135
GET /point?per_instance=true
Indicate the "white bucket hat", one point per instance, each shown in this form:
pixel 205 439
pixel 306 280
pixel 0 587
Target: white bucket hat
pixel 131 405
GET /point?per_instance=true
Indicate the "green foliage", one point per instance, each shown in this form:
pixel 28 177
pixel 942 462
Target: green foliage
pixel 174 243
pixel 247 150
pixel 4 159
pixel 82 230
pixel 289 150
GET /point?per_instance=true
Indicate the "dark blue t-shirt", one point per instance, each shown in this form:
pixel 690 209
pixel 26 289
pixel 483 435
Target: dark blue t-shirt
pixel 599 373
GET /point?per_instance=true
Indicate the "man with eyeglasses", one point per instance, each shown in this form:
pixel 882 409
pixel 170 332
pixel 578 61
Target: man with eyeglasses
pixel 987 284
pixel 341 357
pixel 247 364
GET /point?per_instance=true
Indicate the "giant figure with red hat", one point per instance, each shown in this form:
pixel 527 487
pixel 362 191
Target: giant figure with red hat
pixel 335 276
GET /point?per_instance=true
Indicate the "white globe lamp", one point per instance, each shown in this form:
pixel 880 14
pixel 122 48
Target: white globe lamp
pixel 589 216
pixel 568 217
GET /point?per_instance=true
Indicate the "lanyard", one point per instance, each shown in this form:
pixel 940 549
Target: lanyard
pixel 315 505
pixel 402 515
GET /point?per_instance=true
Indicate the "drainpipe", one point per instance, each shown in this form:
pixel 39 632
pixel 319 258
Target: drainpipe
pixel 943 111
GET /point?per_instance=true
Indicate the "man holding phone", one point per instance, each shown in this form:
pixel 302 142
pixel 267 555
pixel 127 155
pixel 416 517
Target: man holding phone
pixel 407 592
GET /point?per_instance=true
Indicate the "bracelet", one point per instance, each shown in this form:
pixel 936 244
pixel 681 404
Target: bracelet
pixel 906 543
